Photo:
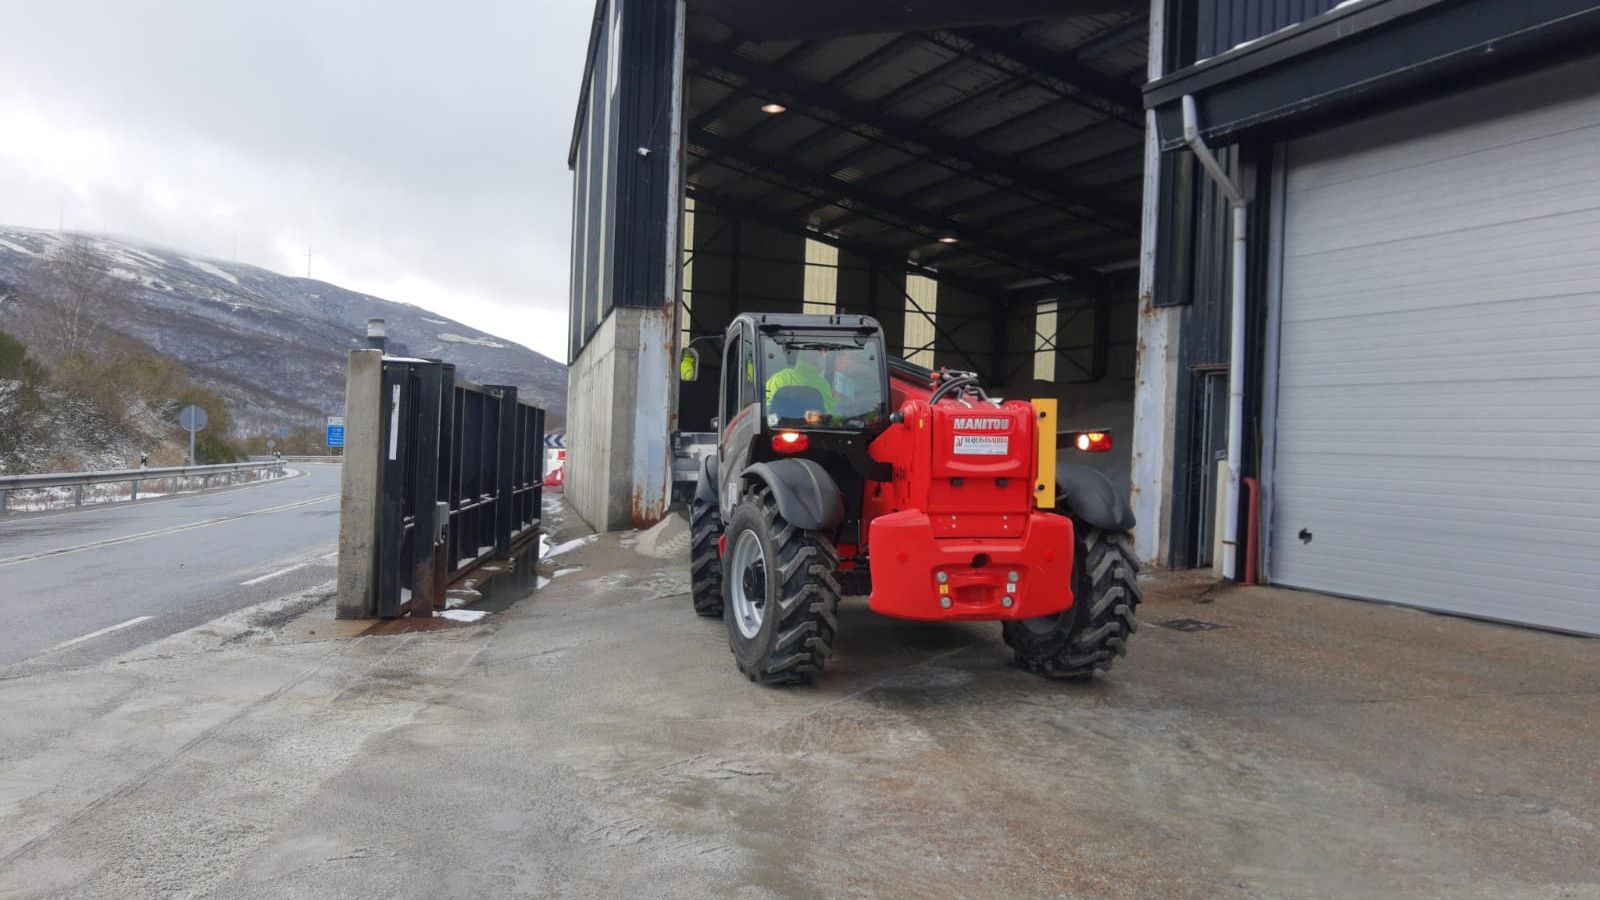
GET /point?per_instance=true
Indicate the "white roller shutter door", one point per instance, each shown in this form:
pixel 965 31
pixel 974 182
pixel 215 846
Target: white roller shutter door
pixel 1438 382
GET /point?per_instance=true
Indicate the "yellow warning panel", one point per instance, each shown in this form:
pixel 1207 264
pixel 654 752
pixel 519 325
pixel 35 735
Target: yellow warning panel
pixel 1044 483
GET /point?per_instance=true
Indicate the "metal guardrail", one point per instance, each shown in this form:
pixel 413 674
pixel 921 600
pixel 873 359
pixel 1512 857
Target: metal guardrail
pixel 79 480
pixel 298 459
pixel 461 480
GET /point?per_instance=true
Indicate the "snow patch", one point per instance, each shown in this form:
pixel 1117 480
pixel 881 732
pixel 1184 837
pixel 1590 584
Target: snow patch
pixel 436 321
pixel 24 250
pixel 463 615
pixel 450 338
pixel 209 269
pixel 573 544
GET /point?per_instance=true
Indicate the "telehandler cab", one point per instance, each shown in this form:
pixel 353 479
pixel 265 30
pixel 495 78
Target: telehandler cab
pixel 841 470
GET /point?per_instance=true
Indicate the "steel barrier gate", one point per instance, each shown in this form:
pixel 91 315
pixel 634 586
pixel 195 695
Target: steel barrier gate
pixel 461 479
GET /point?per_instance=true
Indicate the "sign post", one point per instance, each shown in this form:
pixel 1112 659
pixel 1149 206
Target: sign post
pixel 335 432
pixel 193 419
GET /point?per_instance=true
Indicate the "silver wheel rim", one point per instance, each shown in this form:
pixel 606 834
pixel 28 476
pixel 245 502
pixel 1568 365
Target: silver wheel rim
pixel 748 584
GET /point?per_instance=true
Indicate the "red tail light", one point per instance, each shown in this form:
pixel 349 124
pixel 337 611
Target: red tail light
pixel 1093 442
pixel 790 442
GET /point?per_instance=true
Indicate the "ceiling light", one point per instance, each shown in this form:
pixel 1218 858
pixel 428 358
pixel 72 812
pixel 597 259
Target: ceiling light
pixel 948 239
pixel 773 109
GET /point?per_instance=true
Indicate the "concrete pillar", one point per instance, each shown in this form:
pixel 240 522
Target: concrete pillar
pixel 359 485
pixel 619 415
pixel 1156 369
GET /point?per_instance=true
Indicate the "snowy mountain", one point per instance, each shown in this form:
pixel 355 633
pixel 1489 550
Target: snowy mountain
pixel 273 344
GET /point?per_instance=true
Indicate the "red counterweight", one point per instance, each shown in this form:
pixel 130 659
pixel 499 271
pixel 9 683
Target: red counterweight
pixel 955 535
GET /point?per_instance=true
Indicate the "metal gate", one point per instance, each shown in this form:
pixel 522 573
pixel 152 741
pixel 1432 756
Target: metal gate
pixel 461 481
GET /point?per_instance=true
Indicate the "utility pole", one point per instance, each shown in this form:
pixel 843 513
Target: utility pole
pixel 308 260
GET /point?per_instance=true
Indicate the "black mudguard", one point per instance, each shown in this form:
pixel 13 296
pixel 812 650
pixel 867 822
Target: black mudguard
pixel 806 494
pixel 705 490
pixel 1089 495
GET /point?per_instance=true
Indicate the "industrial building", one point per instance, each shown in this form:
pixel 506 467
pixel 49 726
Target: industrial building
pixel 1344 254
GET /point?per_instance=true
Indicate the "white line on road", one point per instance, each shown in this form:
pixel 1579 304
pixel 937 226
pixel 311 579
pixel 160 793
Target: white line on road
pixel 271 575
pixel 94 634
pixel 160 531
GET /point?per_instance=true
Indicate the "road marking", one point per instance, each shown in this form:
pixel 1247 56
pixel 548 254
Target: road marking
pixel 94 634
pixel 271 575
pixel 93 545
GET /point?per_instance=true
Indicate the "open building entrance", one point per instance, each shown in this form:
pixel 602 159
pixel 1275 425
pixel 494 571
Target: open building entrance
pixel 973 185
pixel 970 175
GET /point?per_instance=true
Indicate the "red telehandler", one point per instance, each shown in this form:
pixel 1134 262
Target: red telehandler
pixel 840 470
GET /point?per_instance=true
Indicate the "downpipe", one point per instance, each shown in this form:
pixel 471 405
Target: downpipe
pixel 1240 244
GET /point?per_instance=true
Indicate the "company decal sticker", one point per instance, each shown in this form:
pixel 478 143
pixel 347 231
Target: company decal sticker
pixel 982 444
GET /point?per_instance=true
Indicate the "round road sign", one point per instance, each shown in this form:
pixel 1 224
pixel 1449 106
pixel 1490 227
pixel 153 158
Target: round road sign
pixel 192 418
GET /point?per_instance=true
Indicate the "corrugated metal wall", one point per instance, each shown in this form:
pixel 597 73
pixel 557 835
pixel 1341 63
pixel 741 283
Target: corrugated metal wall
pixel 1207 28
pixel 620 196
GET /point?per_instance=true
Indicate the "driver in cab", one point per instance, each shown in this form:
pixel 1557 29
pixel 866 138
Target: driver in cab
pixel 802 372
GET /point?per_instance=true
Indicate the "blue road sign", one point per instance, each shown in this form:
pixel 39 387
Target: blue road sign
pixel 335 435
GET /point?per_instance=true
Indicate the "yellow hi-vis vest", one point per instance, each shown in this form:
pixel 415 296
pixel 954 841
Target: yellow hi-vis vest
pixel 802 373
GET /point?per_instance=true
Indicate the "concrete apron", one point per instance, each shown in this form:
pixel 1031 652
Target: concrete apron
pixel 594 739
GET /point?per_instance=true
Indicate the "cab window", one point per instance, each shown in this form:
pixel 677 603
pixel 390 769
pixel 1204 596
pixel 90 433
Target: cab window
pixel 823 381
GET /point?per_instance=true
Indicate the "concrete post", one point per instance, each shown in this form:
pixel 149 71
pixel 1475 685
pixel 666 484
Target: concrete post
pixel 359 485
pixel 619 418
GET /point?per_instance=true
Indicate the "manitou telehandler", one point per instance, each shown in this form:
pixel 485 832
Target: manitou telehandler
pixel 841 470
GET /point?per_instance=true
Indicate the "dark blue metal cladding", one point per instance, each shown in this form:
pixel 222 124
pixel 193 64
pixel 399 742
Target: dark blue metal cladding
pixel 624 193
pixel 1217 26
pixel 594 164
pixel 646 194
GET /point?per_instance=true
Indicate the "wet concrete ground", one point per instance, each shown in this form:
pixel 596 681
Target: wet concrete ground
pixel 595 739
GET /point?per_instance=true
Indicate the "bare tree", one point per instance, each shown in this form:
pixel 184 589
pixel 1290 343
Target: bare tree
pixel 71 286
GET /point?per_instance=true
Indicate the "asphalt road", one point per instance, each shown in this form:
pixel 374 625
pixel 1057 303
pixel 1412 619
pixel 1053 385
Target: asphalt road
pixel 82 585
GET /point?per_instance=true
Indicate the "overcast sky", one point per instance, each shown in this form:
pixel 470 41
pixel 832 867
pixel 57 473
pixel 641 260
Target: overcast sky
pixel 418 147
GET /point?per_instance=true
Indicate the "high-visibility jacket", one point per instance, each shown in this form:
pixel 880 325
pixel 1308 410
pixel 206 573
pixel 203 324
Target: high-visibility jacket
pixel 802 373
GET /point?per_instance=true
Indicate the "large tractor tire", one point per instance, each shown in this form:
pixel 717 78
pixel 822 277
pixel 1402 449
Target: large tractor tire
pixel 782 594
pixel 1094 631
pixel 705 564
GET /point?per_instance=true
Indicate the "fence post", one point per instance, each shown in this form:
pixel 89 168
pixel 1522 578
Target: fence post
pixel 358 485
pixel 505 472
pixel 77 495
pixel 135 490
pixel 3 501
pixel 449 473
pixel 536 449
pixel 394 420
pixel 425 489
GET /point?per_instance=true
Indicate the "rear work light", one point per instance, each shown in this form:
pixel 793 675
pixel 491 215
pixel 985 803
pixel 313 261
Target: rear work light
pixel 1093 442
pixel 790 442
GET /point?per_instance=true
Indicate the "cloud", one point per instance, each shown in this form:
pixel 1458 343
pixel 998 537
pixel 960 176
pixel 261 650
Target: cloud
pixel 418 149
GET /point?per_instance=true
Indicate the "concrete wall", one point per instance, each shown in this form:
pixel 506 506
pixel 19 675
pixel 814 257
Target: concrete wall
pixel 618 418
